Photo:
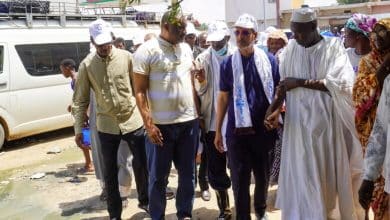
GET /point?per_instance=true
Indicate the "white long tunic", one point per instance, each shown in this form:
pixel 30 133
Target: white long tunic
pixel 378 147
pixel 321 162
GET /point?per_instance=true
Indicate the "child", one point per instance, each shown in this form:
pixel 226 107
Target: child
pixel 68 69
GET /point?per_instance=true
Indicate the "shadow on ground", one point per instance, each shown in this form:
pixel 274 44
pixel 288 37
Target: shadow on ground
pixel 40 138
pixel 205 213
pixel 89 205
pixel 96 218
pixel 71 171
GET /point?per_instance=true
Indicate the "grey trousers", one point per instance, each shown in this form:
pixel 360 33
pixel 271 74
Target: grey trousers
pixel 124 155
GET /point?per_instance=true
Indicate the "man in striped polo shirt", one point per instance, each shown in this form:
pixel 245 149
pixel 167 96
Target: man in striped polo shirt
pixel 164 94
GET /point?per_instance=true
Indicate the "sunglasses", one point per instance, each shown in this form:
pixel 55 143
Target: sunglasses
pixel 245 33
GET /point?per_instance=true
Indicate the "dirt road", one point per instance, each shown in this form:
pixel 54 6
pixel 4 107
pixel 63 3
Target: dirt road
pixel 55 197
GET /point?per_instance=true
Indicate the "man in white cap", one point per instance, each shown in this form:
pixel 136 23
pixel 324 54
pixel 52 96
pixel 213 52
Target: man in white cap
pixel 247 79
pixel 190 39
pixel 321 162
pixel 207 86
pixel 107 72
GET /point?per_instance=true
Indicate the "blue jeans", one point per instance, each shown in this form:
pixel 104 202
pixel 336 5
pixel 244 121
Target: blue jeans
pixel 179 147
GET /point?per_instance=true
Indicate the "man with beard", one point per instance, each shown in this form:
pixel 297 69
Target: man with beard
pixel 247 81
pixel 165 99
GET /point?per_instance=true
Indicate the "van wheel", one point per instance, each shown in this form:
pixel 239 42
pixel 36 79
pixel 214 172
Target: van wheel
pixel 2 136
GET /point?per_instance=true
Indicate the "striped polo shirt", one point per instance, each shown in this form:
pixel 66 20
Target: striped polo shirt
pixel 168 67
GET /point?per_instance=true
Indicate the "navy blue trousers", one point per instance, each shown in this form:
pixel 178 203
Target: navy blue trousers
pixel 249 153
pixel 179 146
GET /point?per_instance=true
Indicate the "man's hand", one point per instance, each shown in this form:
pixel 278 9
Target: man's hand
pixel 199 74
pixel 272 119
pixel 365 193
pixel 155 135
pixel 218 142
pixel 289 83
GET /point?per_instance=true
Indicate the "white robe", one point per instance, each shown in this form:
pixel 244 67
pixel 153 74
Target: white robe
pixel 321 162
pixel 378 147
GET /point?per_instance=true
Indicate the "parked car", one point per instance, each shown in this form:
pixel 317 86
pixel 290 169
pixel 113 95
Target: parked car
pixel 34 95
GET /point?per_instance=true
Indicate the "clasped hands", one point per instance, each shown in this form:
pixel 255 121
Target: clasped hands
pixel 272 115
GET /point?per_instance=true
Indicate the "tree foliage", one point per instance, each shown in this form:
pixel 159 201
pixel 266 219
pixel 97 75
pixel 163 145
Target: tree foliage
pixel 124 3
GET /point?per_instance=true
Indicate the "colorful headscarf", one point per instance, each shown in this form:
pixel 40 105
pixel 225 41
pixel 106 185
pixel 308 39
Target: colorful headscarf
pixel 361 23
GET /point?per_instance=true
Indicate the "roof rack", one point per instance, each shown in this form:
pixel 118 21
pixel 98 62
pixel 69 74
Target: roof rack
pixel 31 13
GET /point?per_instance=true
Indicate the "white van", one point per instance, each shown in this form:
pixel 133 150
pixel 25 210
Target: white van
pixel 33 93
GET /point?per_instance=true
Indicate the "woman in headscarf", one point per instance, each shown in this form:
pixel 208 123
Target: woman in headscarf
pixel 277 39
pixel 372 71
pixel 357 37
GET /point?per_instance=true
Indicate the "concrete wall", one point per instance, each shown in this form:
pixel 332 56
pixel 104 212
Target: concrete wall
pixel 205 10
pixel 256 8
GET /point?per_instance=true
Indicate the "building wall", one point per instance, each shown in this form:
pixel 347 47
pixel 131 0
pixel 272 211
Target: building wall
pixel 337 15
pixel 289 4
pixel 256 8
pixel 320 3
pixel 205 10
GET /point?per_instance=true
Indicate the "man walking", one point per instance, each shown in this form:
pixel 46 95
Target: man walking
pixel 321 158
pixel 207 86
pixel 165 99
pixel 247 79
pixel 107 71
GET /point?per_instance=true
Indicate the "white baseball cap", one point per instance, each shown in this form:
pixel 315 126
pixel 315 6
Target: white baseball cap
pixel 247 21
pixel 100 32
pixel 217 31
pixel 303 15
pixel 190 29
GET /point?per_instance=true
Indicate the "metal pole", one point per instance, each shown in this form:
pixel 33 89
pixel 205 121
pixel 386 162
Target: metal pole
pixel 278 13
pixel 264 18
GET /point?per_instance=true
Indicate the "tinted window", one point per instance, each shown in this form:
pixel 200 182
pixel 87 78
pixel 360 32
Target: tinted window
pixel 45 59
pixel 1 59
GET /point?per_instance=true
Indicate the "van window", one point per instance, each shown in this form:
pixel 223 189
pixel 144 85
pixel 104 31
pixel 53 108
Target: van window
pixel 1 59
pixel 45 59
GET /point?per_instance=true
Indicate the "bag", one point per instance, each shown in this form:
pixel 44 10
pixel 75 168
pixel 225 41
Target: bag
pixel 86 137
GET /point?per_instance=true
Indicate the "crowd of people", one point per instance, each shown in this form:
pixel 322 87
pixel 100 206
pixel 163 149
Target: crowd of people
pixel 310 114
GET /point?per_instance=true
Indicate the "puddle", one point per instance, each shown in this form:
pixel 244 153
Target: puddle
pixel 23 198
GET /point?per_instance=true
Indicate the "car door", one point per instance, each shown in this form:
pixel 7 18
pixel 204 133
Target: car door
pixel 4 80
pixel 4 91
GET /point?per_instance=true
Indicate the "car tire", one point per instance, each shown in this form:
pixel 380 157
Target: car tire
pixel 2 136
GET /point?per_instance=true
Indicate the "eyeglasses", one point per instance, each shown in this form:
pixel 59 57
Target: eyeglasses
pixel 244 33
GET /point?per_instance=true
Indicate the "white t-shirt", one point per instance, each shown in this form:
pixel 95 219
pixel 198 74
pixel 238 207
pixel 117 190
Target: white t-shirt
pixel 168 67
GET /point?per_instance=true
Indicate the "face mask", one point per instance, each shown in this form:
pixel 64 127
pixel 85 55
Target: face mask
pixel 221 51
